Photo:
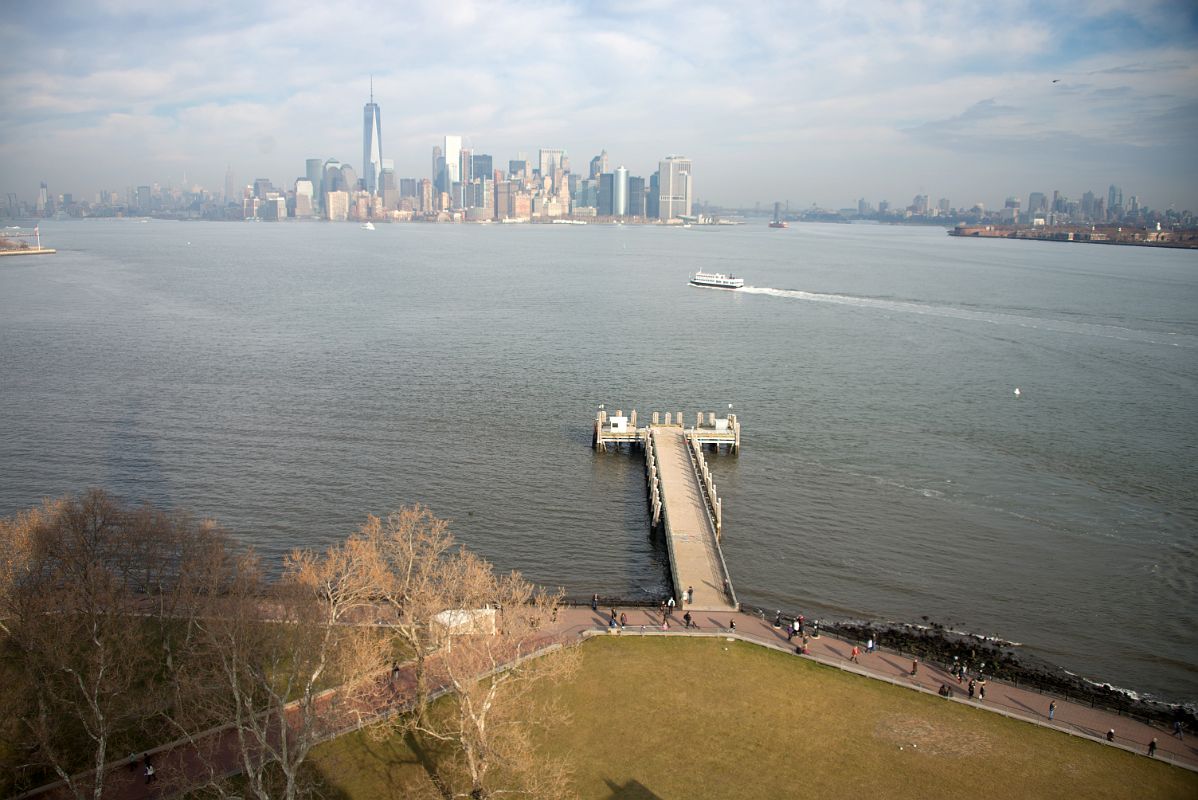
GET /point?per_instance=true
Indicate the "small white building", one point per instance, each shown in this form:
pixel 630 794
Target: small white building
pixel 618 424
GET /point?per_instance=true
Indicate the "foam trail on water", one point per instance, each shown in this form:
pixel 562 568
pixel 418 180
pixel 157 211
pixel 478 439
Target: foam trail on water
pixel 989 317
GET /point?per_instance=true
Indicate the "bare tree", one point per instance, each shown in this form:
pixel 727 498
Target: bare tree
pixel 414 557
pixel 76 629
pixel 268 649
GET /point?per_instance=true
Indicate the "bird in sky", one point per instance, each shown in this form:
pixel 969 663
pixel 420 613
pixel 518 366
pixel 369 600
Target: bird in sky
pixel 1056 80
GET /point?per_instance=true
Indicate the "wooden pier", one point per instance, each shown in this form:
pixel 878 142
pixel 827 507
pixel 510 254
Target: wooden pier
pixel 682 497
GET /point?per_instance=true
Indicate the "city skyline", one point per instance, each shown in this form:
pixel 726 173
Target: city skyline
pixel 811 105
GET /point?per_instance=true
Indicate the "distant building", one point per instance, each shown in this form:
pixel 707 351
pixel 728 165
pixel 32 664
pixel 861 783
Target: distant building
pixel 637 197
pixel 550 160
pixel 598 165
pixel 426 195
pixel 438 175
pixel 372 144
pixel 482 166
pixel 231 194
pixel 620 192
pixel 337 205
pixel 388 192
pixel 408 187
pixel 607 195
pixel 453 165
pixel 304 194
pixel 675 187
pixel 315 173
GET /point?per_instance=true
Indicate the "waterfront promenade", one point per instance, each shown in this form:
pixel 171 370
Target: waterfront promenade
pixel 187 764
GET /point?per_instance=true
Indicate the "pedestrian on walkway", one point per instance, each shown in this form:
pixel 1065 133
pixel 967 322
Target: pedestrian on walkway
pixel 151 773
pixel 686 620
pixel 914 667
pixel 802 622
pixel 1152 748
pixel 690 595
pixel 1177 728
pixel 973 686
pixel 869 645
pixel 732 625
pixel 595 602
pixel 670 605
pixel 1110 735
pixel 982 691
pixel 623 620
pixel 853 655
pixel 1052 709
pixel 777 620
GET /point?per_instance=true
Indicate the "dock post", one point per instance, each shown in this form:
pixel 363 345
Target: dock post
pixel 698 420
pixel 711 419
pixel 668 418
pixel 681 424
pixel 632 419
pixel 654 417
pixel 719 518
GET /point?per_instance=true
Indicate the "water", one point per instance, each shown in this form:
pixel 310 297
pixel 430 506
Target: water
pixel 288 379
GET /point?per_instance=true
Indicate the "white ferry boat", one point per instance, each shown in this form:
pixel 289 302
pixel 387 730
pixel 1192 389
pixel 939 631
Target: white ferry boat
pixel 367 226
pixel 717 280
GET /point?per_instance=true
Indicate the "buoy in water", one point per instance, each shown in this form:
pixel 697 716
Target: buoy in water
pixel 1017 392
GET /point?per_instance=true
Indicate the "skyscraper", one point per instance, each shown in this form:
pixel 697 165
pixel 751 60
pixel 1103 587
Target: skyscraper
pixel 549 161
pixel 231 193
pixel 453 166
pixel 620 193
pixel 314 172
pixel 372 143
pixel 675 187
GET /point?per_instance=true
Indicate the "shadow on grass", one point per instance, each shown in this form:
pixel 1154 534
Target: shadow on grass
pixel 631 790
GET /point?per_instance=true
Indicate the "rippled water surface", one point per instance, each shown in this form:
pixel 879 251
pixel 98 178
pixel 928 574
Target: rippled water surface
pixel 288 379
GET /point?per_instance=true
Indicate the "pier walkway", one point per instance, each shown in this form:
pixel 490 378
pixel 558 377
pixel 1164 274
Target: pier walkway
pixel 682 497
pixel 695 558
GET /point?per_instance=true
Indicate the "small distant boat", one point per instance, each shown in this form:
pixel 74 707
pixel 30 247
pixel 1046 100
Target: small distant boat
pixel 717 280
pixel 367 226
pixel 779 223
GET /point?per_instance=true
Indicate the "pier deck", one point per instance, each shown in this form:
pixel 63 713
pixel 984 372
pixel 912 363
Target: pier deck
pixel 682 497
pixel 695 556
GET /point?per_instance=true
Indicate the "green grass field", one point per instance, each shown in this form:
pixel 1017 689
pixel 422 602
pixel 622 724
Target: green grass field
pixel 708 718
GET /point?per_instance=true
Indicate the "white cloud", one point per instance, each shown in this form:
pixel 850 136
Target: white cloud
pixel 819 102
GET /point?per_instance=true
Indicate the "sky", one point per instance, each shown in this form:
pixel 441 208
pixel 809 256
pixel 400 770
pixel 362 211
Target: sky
pixel 808 103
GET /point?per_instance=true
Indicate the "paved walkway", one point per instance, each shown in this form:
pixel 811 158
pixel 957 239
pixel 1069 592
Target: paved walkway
pixel 692 540
pixel 187 764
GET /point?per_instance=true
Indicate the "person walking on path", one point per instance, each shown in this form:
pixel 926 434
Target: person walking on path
pixel 732 625
pixel 973 686
pixel 1177 729
pixel 1152 748
pixel 690 595
pixel 623 620
pixel 869 646
pixel 595 602
pixel 853 655
pixel 981 691
pixel 686 619
pixel 1052 710
pixel 914 667
pixel 670 606
pixel 1110 735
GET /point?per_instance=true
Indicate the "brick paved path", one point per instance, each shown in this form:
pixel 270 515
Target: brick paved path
pixel 182 764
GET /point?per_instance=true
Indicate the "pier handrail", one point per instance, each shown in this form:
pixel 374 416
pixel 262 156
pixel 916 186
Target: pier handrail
pixel 692 449
pixel 665 523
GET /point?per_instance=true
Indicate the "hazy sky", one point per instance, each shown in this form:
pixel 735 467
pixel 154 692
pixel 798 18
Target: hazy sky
pixel 813 102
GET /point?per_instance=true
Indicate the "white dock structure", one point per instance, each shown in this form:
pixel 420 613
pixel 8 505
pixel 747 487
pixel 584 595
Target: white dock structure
pixel 682 497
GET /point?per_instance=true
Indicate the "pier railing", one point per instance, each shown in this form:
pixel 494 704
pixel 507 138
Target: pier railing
pixel 713 506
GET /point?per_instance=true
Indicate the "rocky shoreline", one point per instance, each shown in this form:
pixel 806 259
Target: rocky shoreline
pixel 995 658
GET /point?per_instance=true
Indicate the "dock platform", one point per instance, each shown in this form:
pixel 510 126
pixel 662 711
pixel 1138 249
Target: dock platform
pixel 682 497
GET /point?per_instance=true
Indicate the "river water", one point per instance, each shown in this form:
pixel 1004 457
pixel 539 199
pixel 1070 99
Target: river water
pixel 289 379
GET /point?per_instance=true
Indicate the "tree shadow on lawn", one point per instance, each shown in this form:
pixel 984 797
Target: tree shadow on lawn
pixel 631 790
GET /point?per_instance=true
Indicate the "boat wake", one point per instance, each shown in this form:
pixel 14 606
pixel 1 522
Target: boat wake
pixel 989 317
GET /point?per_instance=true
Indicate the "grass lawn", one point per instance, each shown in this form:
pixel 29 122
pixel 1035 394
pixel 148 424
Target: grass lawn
pixel 707 718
